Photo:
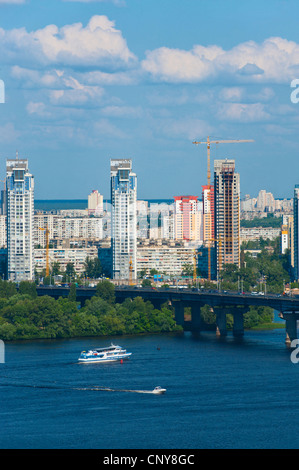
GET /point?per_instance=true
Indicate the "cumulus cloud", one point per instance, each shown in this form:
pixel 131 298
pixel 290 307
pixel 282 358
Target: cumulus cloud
pixel 77 96
pixel 98 44
pixel 241 112
pixel 274 60
pixel 11 2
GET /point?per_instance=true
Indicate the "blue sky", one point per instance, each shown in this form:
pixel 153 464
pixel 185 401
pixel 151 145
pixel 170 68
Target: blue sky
pixel 91 80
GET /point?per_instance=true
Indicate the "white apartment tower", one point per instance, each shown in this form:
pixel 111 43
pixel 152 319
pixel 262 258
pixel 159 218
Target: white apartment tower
pixel 123 219
pixel 20 220
pixel 95 203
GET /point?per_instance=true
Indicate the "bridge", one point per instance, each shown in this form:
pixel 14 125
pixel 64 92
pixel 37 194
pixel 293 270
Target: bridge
pixel 222 303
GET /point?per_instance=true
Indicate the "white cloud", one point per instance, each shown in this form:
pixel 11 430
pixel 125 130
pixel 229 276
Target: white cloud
pixel 12 2
pixel 37 108
pixel 245 94
pixel 77 96
pixel 241 112
pixel 98 44
pixel 274 60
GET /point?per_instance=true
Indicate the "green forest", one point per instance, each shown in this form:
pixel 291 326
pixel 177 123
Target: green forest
pixel 24 315
pixel 268 272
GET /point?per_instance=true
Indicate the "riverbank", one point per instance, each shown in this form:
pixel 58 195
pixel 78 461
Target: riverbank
pixel 25 316
pixel 268 326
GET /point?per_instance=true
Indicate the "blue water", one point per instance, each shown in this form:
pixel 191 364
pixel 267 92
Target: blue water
pixel 220 394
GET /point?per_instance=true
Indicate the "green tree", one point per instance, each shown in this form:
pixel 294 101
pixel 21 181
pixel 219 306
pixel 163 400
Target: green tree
pixel 153 272
pixel 187 270
pixel 73 293
pixel 142 273
pixel 207 314
pixel 7 289
pixel 106 290
pixel 70 270
pixel 27 287
pixel 92 267
pixel 56 268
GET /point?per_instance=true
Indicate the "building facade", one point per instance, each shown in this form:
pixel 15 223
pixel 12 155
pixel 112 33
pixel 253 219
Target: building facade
pixel 227 213
pixel 208 214
pixel 95 203
pixel 187 218
pixel 123 219
pixel 296 232
pixel 20 220
pixel 64 256
pixel 168 257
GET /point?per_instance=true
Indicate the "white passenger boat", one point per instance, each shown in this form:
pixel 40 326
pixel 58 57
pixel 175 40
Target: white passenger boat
pixel 110 354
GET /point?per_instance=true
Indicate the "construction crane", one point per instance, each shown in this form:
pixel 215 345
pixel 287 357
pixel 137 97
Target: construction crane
pixel 208 142
pixel 47 249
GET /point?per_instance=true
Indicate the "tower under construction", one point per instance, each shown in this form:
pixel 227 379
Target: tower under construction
pixel 227 212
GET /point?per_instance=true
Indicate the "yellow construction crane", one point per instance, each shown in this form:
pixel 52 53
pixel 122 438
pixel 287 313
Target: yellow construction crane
pixel 47 248
pixel 209 142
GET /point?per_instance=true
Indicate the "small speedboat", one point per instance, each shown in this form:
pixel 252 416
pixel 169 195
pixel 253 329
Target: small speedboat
pixel 159 390
pixel 110 354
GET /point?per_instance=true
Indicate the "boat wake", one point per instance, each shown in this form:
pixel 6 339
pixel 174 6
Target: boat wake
pixel 155 391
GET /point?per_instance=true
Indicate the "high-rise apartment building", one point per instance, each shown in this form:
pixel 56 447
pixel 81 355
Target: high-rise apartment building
pixel 296 232
pixel 161 221
pixel 208 214
pixel 95 203
pixel 20 220
pixel 227 212
pixel 123 219
pixel 187 218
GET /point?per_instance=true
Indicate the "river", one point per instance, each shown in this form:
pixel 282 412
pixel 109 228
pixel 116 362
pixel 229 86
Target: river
pixel 221 393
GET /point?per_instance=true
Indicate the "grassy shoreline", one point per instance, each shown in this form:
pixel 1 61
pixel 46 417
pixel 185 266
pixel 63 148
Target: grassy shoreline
pixel 268 326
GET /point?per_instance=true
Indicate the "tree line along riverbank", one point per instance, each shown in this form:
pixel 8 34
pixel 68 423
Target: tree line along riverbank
pixel 24 315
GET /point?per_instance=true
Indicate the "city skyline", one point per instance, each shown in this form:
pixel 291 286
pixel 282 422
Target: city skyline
pixel 89 80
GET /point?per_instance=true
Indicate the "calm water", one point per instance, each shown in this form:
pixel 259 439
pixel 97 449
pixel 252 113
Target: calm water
pixel 220 394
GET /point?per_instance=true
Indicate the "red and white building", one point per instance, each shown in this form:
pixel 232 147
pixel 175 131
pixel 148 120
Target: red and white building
pixel 188 218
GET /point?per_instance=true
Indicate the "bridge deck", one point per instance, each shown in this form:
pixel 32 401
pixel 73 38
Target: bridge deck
pixel 188 296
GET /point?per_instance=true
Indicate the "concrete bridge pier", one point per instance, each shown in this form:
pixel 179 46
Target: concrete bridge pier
pixel 179 310
pixel 238 314
pixel 220 321
pixel 195 317
pixel 291 327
